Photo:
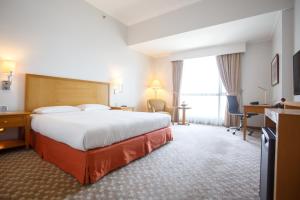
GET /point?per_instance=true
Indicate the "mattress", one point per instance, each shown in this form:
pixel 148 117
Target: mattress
pixel 86 130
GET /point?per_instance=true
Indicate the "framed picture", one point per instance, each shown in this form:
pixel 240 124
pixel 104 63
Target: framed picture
pixel 275 70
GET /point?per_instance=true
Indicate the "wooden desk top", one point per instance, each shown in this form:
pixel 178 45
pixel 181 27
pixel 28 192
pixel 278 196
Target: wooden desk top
pixel 290 103
pixel 259 105
pixel 284 111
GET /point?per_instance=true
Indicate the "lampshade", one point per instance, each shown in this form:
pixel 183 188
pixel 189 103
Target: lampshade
pixel 7 66
pixel 155 84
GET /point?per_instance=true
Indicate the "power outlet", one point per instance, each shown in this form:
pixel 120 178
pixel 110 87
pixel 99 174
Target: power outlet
pixel 3 108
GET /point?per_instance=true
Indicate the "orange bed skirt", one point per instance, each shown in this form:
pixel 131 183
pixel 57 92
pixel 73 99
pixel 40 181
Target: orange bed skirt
pixel 90 166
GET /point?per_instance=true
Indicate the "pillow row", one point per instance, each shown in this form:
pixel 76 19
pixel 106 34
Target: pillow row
pixel 62 109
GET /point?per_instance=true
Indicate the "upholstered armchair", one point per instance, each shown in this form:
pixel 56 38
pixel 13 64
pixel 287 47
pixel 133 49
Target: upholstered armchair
pixel 158 105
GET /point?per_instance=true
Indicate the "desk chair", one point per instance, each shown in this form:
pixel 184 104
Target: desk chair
pixel 234 109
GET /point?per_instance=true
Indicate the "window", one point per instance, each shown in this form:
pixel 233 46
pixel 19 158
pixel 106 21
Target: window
pixel 202 89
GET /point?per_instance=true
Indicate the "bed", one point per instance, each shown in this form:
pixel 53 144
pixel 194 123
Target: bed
pixel 89 144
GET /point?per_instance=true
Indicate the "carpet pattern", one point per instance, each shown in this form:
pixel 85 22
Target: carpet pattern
pixel 202 162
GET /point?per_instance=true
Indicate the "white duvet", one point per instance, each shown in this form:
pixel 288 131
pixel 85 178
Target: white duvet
pixel 86 130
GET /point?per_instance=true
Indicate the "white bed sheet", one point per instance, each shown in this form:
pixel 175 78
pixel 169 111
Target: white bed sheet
pixel 86 130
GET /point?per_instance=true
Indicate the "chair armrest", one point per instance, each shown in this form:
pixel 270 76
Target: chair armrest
pixel 169 110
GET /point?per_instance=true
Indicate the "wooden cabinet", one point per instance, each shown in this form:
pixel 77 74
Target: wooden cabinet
pixel 15 120
pixel 286 123
pixel 122 108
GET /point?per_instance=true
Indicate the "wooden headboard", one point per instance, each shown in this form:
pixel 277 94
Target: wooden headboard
pixel 53 91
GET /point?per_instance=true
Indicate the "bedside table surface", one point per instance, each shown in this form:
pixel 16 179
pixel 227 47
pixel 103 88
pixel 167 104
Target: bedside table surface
pixel 13 113
pixel 127 108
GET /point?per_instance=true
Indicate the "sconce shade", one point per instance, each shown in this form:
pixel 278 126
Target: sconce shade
pixel 155 84
pixel 117 85
pixel 7 66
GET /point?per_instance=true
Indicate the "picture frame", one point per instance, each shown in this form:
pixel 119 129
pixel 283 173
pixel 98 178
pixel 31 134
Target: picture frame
pixel 275 70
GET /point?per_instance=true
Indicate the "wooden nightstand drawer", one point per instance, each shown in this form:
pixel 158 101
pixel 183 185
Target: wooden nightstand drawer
pixel 12 121
pixel 15 120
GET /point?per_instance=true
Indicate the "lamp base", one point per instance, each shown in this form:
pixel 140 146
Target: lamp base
pixel 6 85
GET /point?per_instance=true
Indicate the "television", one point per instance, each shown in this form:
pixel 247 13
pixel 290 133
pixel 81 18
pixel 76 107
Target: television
pixel 297 73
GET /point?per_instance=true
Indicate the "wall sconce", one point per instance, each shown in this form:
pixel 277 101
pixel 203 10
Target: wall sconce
pixel 117 86
pixel 7 67
pixel 155 85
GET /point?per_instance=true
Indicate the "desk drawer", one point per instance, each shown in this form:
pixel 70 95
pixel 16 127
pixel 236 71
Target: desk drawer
pixel 12 121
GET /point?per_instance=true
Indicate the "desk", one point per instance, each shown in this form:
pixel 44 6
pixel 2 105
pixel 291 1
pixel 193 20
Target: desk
pixel 259 109
pixel 291 105
pixel 183 108
pixel 287 160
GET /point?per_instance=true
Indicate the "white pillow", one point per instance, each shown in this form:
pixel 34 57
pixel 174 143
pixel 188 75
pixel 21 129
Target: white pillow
pixel 55 109
pixel 86 107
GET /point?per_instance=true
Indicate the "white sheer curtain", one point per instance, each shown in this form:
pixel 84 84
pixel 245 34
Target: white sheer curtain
pixel 202 89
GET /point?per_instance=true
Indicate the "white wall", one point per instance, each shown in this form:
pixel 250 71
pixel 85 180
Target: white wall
pixel 297 25
pixel 69 38
pixel 276 91
pixel 207 13
pixel 283 44
pixel 287 54
pixel 297 32
pixel 209 51
pixel 255 72
pixel 163 72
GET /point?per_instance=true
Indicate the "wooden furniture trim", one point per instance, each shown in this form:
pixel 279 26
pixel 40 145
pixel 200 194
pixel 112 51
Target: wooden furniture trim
pixel 259 109
pixel 125 108
pixel 183 108
pixel 292 105
pixel 15 120
pixel 275 62
pixel 43 90
pixel 287 157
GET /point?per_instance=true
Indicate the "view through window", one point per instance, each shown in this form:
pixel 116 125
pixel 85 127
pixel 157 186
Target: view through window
pixel 202 89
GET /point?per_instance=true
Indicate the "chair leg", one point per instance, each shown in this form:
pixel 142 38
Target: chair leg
pixel 235 129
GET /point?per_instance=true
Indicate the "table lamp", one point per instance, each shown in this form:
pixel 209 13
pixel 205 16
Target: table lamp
pixel 155 85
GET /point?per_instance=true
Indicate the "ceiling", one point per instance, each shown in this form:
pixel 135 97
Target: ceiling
pixel 130 12
pixel 254 29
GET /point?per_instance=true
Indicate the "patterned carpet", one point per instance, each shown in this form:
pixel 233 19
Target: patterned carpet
pixel 202 162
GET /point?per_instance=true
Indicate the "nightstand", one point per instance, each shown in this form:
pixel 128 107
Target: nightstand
pixel 122 108
pixel 15 120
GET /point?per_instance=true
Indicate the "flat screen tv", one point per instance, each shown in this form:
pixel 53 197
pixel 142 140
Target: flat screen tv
pixel 297 73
